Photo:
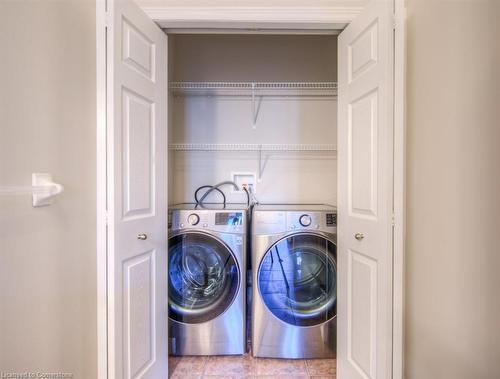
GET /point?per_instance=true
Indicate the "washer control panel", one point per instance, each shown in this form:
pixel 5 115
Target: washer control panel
pixel 305 220
pixel 274 222
pixel 224 221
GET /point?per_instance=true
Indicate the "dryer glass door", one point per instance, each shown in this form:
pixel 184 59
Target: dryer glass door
pixel 203 278
pixel 298 280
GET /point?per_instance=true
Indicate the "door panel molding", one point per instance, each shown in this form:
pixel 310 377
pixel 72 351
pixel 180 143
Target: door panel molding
pixel 363 52
pixel 138 193
pixel 138 51
pixel 362 294
pixel 139 287
pixel 361 204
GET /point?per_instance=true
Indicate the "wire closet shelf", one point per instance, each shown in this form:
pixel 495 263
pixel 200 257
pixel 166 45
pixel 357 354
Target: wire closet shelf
pixel 328 148
pixel 255 88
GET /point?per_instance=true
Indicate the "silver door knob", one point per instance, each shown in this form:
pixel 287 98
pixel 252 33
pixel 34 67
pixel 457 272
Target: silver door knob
pixel 142 237
pixel 359 236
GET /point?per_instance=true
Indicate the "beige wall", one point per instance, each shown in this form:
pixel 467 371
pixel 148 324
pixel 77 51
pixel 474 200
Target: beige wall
pixel 264 58
pixel 47 124
pixel 453 220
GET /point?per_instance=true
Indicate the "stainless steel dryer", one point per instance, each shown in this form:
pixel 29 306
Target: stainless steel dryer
pixel 206 283
pixel 295 281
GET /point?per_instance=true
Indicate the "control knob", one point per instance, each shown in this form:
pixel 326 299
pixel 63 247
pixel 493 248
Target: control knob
pixel 193 219
pixel 305 220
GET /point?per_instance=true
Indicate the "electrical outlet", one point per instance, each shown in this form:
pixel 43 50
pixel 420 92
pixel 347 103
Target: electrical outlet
pixel 245 180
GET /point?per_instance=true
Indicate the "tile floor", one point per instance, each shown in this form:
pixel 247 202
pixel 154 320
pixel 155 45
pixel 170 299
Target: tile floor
pixel 232 367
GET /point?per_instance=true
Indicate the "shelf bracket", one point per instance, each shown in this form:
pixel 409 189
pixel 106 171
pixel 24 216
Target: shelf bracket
pixel 256 103
pixel 259 178
pixel 254 108
pixel 262 164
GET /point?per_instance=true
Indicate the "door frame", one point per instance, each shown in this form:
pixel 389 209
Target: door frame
pixel 101 188
pixel 257 20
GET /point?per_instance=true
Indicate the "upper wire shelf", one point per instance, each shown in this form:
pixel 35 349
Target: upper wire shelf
pixel 255 88
pixel 251 147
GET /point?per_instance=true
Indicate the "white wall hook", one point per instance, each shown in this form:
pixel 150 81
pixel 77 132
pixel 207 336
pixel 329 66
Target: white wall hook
pixel 44 189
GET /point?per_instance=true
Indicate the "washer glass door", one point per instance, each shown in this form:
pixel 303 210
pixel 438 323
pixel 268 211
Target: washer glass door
pixel 203 278
pixel 298 279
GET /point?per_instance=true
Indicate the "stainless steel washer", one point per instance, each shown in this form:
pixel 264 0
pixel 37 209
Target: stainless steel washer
pixel 207 265
pixel 295 281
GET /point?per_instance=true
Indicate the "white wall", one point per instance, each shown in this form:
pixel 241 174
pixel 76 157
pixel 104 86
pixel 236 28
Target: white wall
pixel 453 220
pixel 288 177
pixel 47 124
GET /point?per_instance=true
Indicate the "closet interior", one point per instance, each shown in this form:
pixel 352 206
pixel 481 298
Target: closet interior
pixel 261 105
pixel 260 110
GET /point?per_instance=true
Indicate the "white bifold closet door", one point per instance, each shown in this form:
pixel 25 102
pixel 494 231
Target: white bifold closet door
pixel 137 209
pixel 365 169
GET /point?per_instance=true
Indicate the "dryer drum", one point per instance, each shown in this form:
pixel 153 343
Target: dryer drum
pixel 298 279
pixel 203 277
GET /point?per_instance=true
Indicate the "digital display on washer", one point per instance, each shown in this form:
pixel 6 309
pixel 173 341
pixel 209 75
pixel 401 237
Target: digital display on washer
pixel 331 219
pixel 229 218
